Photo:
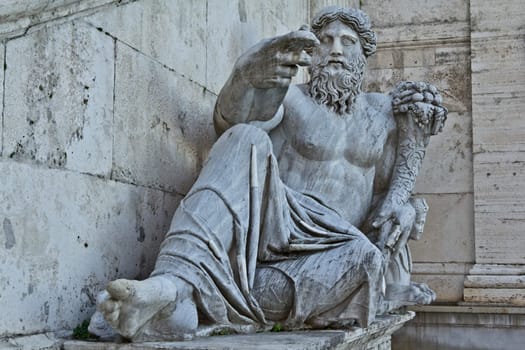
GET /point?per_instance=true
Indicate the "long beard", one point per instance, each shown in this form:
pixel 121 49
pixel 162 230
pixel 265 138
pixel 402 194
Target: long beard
pixel 337 89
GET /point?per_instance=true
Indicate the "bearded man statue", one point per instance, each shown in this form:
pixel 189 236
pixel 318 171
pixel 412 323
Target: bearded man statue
pixel 302 212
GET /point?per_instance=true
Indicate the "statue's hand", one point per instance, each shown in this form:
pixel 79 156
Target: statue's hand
pixel 423 103
pixel 273 63
pixel 394 224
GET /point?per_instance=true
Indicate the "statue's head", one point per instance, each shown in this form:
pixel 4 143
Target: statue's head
pixel 354 19
pixel 339 62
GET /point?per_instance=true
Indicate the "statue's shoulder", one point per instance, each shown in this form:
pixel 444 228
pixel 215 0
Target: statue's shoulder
pixel 297 92
pixel 297 96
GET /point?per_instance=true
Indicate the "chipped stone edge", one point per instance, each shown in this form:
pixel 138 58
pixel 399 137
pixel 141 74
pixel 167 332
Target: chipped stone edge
pixel 22 23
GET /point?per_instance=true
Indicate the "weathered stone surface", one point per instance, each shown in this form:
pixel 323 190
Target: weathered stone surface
pixel 497 86
pixel 499 207
pixel 63 235
pixel 449 232
pixel 446 279
pixel 463 328
pixel 228 36
pixel 226 39
pixel 46 341
pixel 448 288
pixel 451 73
pixel 506 18
pixel 498 102
pixel 242 214
pixel 18 17
pixel 58 107
pixel 504 296
pixel 375 337
pixel 162 141
pixel 489 281
pixel 172 32
pixel 394 13
pixel 317 5
pixel 447 167
pixel 2 71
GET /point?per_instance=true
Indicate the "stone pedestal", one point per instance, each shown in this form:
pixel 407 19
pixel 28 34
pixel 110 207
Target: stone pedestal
pixel 375 337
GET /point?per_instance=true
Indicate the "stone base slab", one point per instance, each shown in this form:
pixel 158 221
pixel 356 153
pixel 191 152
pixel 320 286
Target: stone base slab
pixel 375 337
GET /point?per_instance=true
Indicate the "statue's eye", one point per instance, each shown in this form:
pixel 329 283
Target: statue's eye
pixel 347 41
pixel 326 39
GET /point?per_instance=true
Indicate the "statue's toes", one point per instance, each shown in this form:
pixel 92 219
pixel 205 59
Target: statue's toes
pixel 121 289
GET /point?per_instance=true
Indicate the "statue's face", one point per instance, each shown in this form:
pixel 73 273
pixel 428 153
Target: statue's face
pixel 339 44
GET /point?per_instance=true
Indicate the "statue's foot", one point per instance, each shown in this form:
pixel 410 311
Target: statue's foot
pixel 399 295
pixel 421 293
pixel 129 305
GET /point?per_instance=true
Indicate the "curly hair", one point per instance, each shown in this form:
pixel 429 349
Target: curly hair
pixel 354 18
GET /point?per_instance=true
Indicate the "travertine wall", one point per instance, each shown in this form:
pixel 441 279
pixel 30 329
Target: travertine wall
pixel 106 120
pixel 430 41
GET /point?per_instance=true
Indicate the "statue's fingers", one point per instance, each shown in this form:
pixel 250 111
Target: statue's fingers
pixel 300 58
pixel 381 219
pixel 296 41
pixel 286 71
pixel 394 236
pixel 276 81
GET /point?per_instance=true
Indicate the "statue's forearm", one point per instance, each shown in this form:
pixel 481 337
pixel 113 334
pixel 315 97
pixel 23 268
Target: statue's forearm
pixel 419 114
pixel 259 82
pixel 239 102
pixel 409 157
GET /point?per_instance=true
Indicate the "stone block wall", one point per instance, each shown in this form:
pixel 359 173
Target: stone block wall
pixel 106 112
pixel 430 41
pixel 106 120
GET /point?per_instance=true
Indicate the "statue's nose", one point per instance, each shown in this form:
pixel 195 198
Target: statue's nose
pixel 337 48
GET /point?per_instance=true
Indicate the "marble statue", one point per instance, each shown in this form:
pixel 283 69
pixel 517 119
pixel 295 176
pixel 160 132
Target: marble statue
pixel 302 212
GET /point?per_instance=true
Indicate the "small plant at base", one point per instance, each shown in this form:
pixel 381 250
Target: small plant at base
pixel 81 331
pixel 277 327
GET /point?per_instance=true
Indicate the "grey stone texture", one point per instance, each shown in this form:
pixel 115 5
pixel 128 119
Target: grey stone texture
pixel 2 70
pixel 307 192
pixel 59 105
pixel 18 17
pixel 434 45
pixel 376 337
pixel 463 328
pixel 498 92
pixel 162 142
pixel 51 279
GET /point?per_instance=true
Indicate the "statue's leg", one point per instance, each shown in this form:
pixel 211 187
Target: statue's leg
pixel 201 234
pixel 335 287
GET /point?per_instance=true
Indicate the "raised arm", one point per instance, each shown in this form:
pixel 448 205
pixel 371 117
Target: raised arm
pixel 259 81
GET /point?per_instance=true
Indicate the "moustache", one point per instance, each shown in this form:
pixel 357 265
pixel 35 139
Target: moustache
pixel 324 62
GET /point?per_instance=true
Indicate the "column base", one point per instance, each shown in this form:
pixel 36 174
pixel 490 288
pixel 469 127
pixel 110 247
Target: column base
pixel 489 284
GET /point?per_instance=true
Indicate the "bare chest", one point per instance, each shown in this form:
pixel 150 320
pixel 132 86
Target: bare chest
pixel 318 134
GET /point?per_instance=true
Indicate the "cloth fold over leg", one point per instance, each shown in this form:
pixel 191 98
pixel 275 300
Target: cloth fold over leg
pixel 239 207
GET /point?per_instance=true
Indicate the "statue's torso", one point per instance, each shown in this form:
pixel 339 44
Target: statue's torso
pixel 329 156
